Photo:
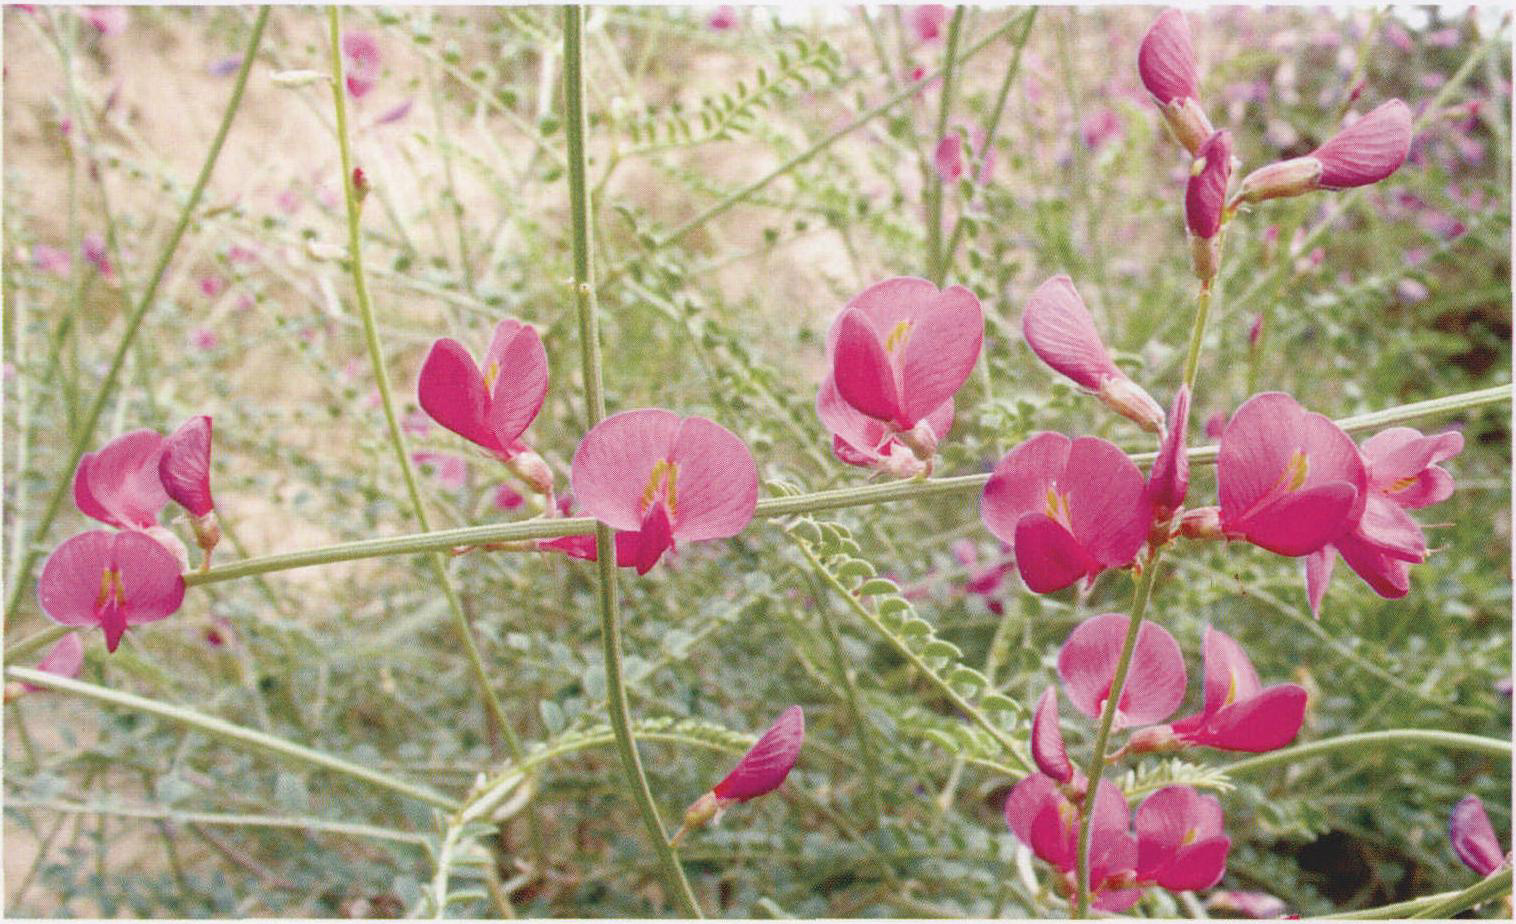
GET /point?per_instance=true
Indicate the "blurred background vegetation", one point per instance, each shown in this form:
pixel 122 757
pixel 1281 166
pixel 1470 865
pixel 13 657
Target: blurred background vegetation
pixel 1393 294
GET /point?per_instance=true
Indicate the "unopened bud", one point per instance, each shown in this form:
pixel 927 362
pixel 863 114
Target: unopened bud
pixel 532 469
pixel 698 815
pixel 1201 523
pixel 921 439
pixel 1127 398
pixel 1155 739
pixel 902 463
pixel 207 534
pixel 360 184
pixel 1293 177
pixel 1187 123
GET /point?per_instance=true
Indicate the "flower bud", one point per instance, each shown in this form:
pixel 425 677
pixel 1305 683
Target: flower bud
pixel 1128 399
pixel 1205 194
pixel 360 184
pixel 1154 739
pixel 921 439
pixel 207 534
pixel 1293 177
pixel 533 469
pixel 1201 523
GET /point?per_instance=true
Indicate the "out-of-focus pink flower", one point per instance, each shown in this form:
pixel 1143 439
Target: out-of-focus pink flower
pixel 1365 152
pixel 761 770
pixel 927 20
pixel 948 158
pixel 450 471
pixel 110 580
pixel 1166 66
pixel 1180 843
pixel 203 338
pixel 1169 480
pixel 212 286
pixel 288 202
pixel 360 52
pixel 119 483
pixel 1258 905
pixel 1442 224
pixel 1411 291
pixel 1403 474
pixel 508 498
pixel 1155 680
pixel 65 659
pixel 1069 509
pixel 220 634
pixel 722 18
pixel 659 478
pixel 899 350
pixel 395 113
pixel 1443 38
pixel 1473 837
pixel 1398 37
pixel 224 67
pixel 1289 480
pixel 1059 329
pixel 50 259
pixel 107 20
pixel 92 245
pixel 494 407
pixel 1255 330
pixel 1100 127
pixel 416 423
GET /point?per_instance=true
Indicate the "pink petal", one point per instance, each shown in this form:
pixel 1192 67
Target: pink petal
pixel 642 548
pixel 1387 576
pixel 1166 58
pixel 1167 819
pixel 150 578
pixel 863 435
pixel 1116 901
pixel 84 499
pixel 940 352
pixel 1318 574
pixel 614 462
pixel 1155 680
pixel 1108 507
pixel 1169 481
pixel 1059 329
pixel 575 547
pixel 717 486
pixel 764 767
pixel 1302 522
pixel 1048 556
pixel 1039 815
pixel 185 467
pixel 1205 194
pixel 1369 150
pixel 948 158
pixel 123 478
pixel 862 371
pixel 1260 442
pixel 1198 866
pixel 521 383
pixel 1473 837
pixel 927 20
pixel 1248 904
pixel 65 658
pixel 70 581
pixel 1020 482
pixel 1112 849
pixel 451 390
pixel 1047 740
pixel 1432 486
pixel 1391 530
pixel 508 498
pixel 1266 722
pixel 885 304
pixel 1229 675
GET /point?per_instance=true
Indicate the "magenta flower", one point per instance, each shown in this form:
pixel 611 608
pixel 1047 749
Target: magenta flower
pixel 112 580
pixel 761 770
pixel 1215 425
pixel 1044 818
pixel 360 52
pixel 1365 152
pixel 203 338
pixel 1205 202
pixel 948 158
pixel 64 659
pixel 900 349
pixel 1257 905
pixel 491 408
pixel 1155 679
pixel 450 471
pixel 92 245
pixel 212 286
pixel 1169 480
pixel 1166 66
pixel 119 484
pixel 107 20
pixel 1048 752
pixel 660 478
pixel 50 259
pixel 1239 713
pixel 927 20
pixel 507 498
pixel 1069 509
pixel 1100 127
pixel 185 472
pixel 1402 474
pixel 722 18
pixel 1473 837
pixel 1059 329
pixel 1180 844
pixel 860 440
pixel 1289 480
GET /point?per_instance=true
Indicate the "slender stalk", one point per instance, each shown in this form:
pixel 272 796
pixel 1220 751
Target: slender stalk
pixel 1197 335
pixel 221 818
pixel 1442 905
pixel 845 674
pixel 576 127
pixel 86 430
pixel 220 728
pixel 934 177
pixel 495 711
pixel 1102 737
pixel 1455 741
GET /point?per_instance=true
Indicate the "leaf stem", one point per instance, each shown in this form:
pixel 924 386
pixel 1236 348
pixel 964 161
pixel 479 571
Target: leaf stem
pixel 1442 905
pixel 1457 741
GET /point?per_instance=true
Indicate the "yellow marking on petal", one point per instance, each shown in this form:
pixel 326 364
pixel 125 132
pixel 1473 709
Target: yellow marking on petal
pixel 1294 473
pixel 1057 508
pixel 1401 485
pixel 1197 166
pixel 490 375
pixel 671 493
pixel 664 479
pixel 1231 691
pixel 105 588
pixel 111 588
pixel 1066 815
pixel 899 334
pixel 1191 835
pixel 120 588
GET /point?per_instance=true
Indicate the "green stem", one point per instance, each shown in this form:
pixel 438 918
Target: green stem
pixel 1443 905
pixel 934 178
pixel 576 128
pixel 1456 741
pixel 1197 335
pixel 1102 737
pixel 845 674
pixel 152 813
pixel 220 728
pixel 387 399
pixel 86 430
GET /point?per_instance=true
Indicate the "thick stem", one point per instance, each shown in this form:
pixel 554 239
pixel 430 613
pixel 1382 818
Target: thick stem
pixel 576 127
pixel 86 431
pixel 1102 737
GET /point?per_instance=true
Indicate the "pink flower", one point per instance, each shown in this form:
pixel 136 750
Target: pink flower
pixel 416 423
pixel 899 350
pixel 722 18
pixel 107 20
pixel 983 581
pixel 1069 508
pixel 1247 904
pixel 1239 713
pixel 361 53
pixel 1059 329
pixel 1403 474
pixel 1099 127
pixel 491 408
pixel 184 468
pixel 1205 194
pixel 508 498
pixel 50 259
pixel 1155 680
pixel 927 20
pixel 1289 480
pixel 1443 38
pixel 288 202
pixel 1166 66
pixel 92 245
pixel 761 770
pixel 1398 37
pixel 212 286
pixel 1048 752
pixel 660 478
pixel 203 338
pixel 1473 837
pixel 1180 844
pixel 1169 480
pixel 395 113
pixel 948 158
pixel 451 471
pixel 119 483
pixel 1365 152
pixel 113 580
pixel 64 659
pixel 1044 818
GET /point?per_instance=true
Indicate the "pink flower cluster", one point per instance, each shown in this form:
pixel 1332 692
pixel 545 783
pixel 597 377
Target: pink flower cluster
pixel 1179 841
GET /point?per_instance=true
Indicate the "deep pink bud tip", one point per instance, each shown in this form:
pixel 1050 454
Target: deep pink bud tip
pixel 1368 150
pixel 1166 58
pixel 1205 195
pixel 185 466
pixel 766 764
pixel 1474 838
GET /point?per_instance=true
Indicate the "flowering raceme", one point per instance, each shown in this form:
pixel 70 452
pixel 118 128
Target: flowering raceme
pixel 898 352
pixel 660 478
